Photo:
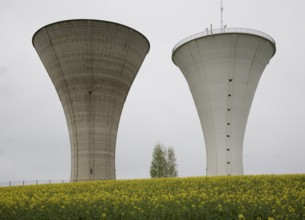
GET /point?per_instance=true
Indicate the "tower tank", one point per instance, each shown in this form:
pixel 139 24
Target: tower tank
pixel 92 65
pixel 222 68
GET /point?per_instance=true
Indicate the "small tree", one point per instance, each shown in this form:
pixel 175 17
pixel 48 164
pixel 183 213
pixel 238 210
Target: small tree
pixel 171 163
pixel 163 163
pixel 158 163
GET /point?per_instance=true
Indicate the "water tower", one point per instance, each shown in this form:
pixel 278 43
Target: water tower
pixel 222 68
pixel 92 65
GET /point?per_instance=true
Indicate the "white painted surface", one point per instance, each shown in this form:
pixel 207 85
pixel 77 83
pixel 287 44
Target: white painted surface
pixel 223 71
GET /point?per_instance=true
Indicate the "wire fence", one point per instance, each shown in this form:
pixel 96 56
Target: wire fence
pixel 208 32
pixel 31 182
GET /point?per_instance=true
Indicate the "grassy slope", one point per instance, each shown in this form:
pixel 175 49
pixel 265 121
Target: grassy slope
pixel 238 197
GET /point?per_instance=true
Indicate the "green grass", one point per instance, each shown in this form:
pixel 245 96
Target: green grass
pixel 236 197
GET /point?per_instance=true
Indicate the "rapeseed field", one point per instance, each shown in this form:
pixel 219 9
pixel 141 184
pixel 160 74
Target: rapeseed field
pixel 267 197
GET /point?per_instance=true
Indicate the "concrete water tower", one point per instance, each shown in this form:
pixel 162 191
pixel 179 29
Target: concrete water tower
pixel 222 68
pixel 92 65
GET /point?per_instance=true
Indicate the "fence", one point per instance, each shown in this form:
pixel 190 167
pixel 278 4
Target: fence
pixel 223 31
pixel 31 182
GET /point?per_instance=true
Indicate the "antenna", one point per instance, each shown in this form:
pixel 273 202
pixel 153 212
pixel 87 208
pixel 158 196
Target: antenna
pixel 221 15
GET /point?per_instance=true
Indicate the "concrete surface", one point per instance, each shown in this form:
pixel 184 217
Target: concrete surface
pixel 223 71
pixel 92 65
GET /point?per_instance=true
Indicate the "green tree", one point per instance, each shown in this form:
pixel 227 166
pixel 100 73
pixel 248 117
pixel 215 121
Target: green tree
pixel 158 163
pixel 163 162
pixel 171 163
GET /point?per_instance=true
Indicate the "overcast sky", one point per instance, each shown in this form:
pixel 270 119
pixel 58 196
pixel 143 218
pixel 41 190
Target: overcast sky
pixel 34 141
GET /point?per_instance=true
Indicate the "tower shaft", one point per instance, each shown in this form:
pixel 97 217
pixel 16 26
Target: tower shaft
pixel 92 65
pixel 223 71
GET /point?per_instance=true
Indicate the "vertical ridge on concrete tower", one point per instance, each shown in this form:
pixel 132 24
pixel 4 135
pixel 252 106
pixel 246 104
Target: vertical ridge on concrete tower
pixel 223 70
pixel 92 65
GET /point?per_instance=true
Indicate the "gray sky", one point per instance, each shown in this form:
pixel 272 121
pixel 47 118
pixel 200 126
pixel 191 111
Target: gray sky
pixel 34 142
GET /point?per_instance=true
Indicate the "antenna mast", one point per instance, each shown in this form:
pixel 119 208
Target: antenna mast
pixel 221 15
